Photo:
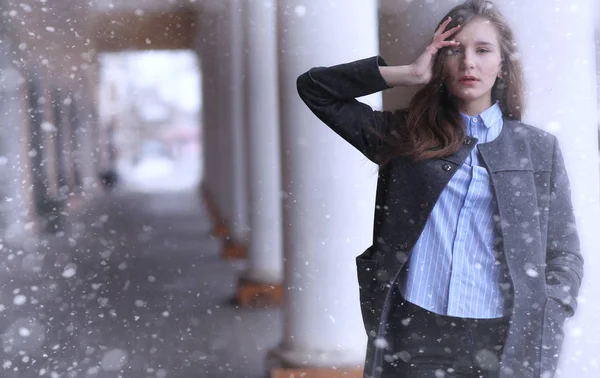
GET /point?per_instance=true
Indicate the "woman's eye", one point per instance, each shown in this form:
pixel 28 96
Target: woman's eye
pixel 483 51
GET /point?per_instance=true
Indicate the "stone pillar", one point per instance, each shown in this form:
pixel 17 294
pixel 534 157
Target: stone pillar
pixel 556 43
pixel 57 107
pixel 45 206
pixel 329 194
pixel 562 99
pixel 107 164
pixel 16 207
pixel 66 123
pixel 74 142
pixel 261 283
pixel 231 122
pixel 49 138
pixel 223 157
pixel 207 47
pixel 86 136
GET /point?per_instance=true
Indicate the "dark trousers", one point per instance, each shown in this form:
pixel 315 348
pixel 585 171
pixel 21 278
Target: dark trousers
pixel 423 344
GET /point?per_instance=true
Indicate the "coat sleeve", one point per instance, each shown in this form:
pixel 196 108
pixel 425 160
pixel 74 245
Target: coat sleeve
pixel 331 92
pixel 564 262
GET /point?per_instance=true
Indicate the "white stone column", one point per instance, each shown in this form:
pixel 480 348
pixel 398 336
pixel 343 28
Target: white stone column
pixel 234 93
pixel 556 42
pixel 68 144
pixel 75 141
pixel 265 256
pixel 87 135
pixel 58 114
pixel 207 48
pixel 231 194
pixel 223 193
pixel 34 141
pixel 16 207
pixel 65 145
pixel 49 138
pixel 329 189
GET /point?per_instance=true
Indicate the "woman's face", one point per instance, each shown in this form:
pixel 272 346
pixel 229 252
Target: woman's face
pixel 472 67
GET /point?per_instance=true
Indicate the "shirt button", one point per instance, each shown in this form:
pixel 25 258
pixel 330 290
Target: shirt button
pixel 475 119
pixel 447 167
pixel 423 205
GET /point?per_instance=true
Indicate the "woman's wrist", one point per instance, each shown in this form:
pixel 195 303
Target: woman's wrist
pixel 399 76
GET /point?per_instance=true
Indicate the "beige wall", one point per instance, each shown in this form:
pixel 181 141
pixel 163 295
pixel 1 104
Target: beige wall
pixel 52 38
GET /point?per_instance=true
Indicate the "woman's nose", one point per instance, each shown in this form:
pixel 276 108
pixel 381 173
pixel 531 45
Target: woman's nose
pixel 467 60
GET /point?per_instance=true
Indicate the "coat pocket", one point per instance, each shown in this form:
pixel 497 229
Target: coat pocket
pixel 552 336
pixel 370 290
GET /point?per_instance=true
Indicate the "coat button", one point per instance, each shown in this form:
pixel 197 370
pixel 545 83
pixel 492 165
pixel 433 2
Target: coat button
pixel 447 167
pixel 424 205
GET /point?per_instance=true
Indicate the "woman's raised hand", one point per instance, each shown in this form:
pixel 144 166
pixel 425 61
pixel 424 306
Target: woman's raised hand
pixel 422 68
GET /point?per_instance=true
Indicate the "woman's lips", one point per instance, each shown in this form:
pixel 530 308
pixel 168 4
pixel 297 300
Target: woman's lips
pixel 468 81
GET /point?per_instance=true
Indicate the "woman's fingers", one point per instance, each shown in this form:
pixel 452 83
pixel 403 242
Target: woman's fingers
pixel 449 43
pixel 450 32
pixel 436 46
pixel 439 37
pixel 443 25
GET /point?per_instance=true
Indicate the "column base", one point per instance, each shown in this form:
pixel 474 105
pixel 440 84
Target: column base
pixel 211 209
pixel 258 294
pixel 221 231
pixel 286 362
pixel 234 251
pixel 317 373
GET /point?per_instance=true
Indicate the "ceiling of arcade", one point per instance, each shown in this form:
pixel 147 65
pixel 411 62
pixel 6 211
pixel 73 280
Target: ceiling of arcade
pixel 59 39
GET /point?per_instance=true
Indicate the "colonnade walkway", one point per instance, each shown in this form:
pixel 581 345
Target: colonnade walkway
pixel 135 288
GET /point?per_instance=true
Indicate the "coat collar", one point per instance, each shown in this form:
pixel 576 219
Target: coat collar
pixel 504 153
pixel 508 151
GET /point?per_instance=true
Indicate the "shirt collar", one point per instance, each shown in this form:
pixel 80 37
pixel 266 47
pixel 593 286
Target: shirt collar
pixel 489 116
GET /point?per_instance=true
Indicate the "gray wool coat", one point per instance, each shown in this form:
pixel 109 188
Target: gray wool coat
pixel 536 222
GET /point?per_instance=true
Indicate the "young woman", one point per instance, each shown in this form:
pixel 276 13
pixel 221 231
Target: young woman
pixel 475 262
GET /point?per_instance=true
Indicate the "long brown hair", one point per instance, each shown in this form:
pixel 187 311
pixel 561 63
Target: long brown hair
pixel 431 126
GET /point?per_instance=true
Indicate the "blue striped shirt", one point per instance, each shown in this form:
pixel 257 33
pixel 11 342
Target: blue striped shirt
pixel 453 269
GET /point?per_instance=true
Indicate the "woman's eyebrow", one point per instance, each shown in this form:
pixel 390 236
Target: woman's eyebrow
pixel 484 43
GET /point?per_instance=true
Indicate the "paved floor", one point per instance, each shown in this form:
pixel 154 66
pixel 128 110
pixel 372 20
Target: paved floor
pixel 135 289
